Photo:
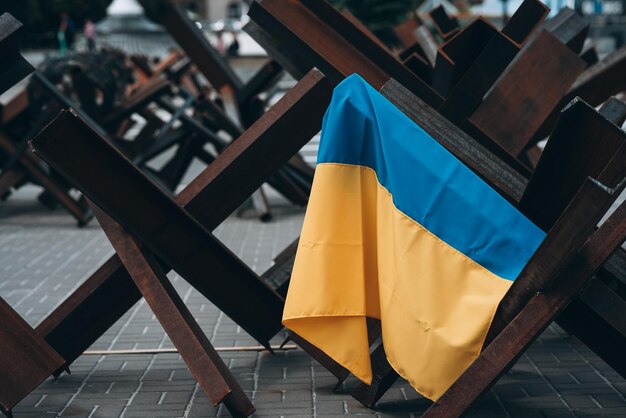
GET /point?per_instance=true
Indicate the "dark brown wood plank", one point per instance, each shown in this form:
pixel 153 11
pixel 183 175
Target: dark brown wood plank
pixel 590 56
pixel 279 274
pixel 445 25
pixel 26 360
pixel 595 85
pixel 196 45
pixel 14 106
pixel 419 66
pixel 383 377
pixel 414 48
pixel 364 30
pixel 614 110
pixel 427 41
pixel 615 268
pixel 607 304
pixel 513 111
pixel 414 31
pixel 525 21
pixel 238 171
pixel 10 179
pixel 581 145
pixel 472 86
pixel 14 66
pixel 288 55
pixel 492 61
pixel 139 99
pixel 456 55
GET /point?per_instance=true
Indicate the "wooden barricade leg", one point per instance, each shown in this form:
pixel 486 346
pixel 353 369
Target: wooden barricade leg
pixel 263 80
pixel 340 372
pixel 9 180
pixel 234 175
pixel 590 56
pixel 445 25
pixel 614 110
pixel 198 48
pixel 598 82
pixel 595 316
pixel 139 99
pixel 207 367
pixel 90 310
pixel 456 55
pixel 414 32
pixel 492 61
pixel 175 169
pixel 550 68
pixel 238 97
pixel 568 27
pixel 525 21
pixel 155 219
pixel 312 34
pixel 240 102
pixel 595 85
pixel 419 66
pixel 14 67
pixel 36 171
pixel 26 359
pixel 581 145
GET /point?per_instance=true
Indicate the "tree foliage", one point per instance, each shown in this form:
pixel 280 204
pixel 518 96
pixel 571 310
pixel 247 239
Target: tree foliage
pixel 154 9
pixel 44 15
pixel 380 16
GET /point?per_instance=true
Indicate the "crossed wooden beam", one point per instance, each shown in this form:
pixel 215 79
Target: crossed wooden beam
pixel 153 232
pixel 145 252
pixel 558 41
pixel 566 240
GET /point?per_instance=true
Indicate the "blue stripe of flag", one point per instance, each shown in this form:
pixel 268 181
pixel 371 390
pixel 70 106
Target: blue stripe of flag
pixel 426 181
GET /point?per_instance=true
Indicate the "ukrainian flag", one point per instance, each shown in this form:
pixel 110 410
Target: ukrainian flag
pixel 399 229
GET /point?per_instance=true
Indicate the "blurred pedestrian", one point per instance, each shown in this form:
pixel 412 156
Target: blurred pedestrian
pixel 219 42
pixel 89 32
pixel 233 48
pixel 70 32
pixel 61 37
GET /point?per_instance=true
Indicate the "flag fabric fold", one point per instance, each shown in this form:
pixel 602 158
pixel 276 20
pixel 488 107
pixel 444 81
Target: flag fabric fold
pixel 399 229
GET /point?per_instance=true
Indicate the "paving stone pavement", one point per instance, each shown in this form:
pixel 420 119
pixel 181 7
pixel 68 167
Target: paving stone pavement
pixel 44 256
